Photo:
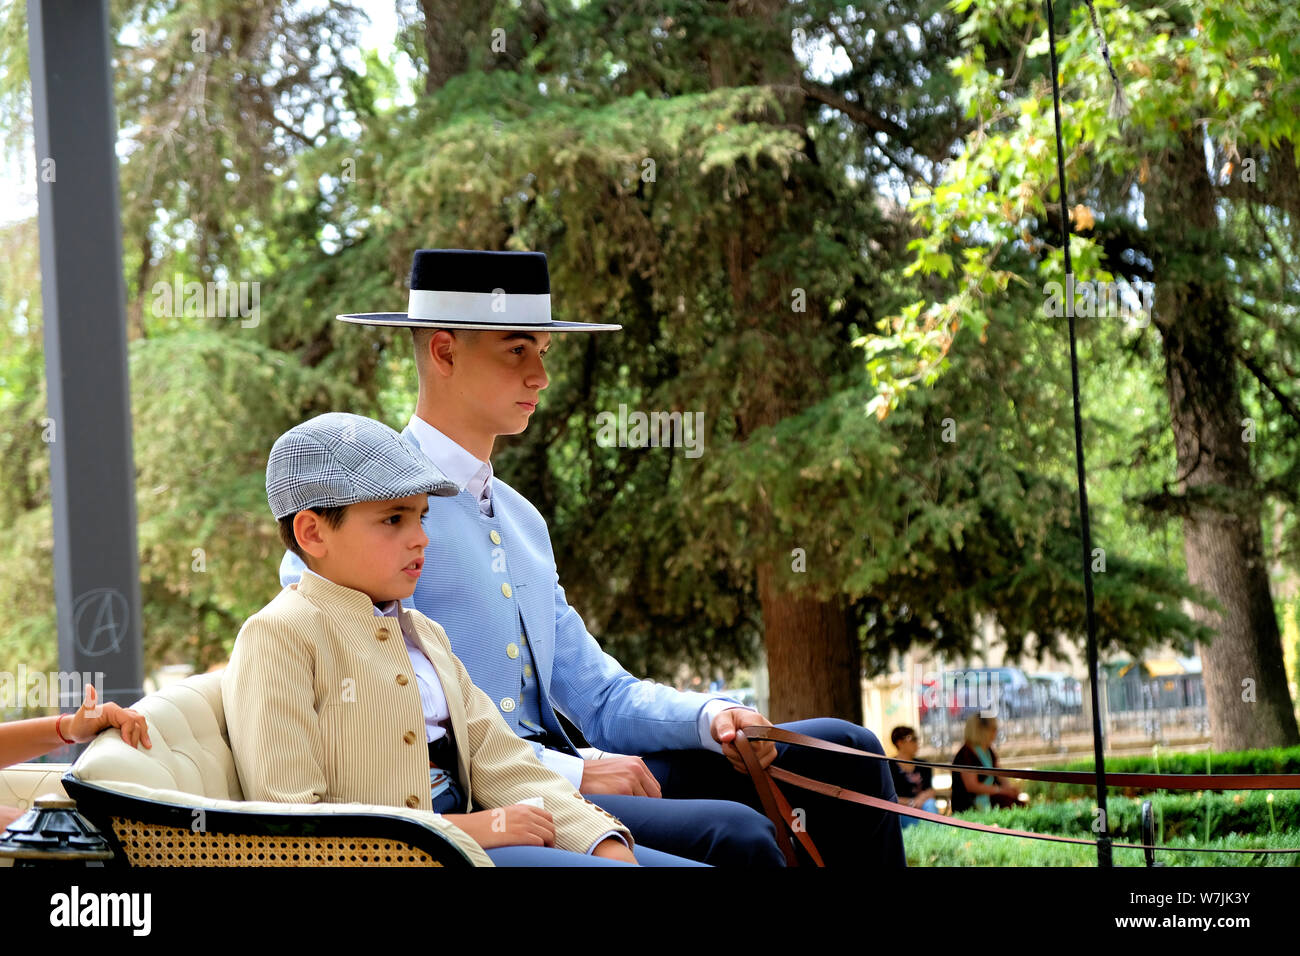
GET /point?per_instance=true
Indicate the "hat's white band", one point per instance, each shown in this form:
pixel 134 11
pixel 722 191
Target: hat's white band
pixel 480 307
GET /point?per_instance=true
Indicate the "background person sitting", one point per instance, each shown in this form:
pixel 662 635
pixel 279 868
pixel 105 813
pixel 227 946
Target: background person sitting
pixel 912 783
pixel 971 790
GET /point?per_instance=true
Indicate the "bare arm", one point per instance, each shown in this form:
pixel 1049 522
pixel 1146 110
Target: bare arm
pixel 975 786
pixel 24 739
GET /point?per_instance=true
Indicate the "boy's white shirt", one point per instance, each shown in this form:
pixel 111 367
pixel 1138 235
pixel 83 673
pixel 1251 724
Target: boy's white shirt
pixel 475 475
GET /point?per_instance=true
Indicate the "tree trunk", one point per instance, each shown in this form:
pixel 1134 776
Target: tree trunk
pixel 809 645
pixel 452 26
pixel 135 307
pixel 1245 679
pixel 813 660
pixel 447 23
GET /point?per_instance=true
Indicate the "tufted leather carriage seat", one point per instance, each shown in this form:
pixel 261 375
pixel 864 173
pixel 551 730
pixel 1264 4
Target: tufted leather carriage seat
pixel 180 803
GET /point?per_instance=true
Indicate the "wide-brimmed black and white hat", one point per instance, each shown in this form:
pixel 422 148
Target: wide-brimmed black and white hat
pixel 478 289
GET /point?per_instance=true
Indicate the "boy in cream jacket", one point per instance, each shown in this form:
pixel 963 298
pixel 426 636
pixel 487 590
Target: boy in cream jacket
pixel 336 693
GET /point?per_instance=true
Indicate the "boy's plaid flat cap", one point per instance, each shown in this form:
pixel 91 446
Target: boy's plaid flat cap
pixel 340 459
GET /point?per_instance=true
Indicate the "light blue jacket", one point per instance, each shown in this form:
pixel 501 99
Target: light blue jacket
pixel 485 577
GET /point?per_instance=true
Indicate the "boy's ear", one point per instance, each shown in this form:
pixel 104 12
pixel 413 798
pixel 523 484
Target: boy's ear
pixel 307 528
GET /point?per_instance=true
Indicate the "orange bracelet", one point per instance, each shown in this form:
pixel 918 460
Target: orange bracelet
pixel 59 723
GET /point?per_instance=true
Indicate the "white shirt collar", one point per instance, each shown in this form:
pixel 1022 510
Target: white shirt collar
pixel 472 474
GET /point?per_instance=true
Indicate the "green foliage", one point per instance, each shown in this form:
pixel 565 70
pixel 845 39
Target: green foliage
pixel 1209 100
pixel 929 844
pixel 1263 760
pixel 957 505
pixel 634 147
pixel 1183 815
pixel 27 624
pixel 1242 819
pixel 207 408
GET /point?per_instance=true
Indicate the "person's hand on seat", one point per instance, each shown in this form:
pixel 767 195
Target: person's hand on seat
pixel 90 719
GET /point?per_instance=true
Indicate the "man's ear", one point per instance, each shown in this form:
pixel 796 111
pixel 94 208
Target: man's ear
pixel 442 352
pixel 308 528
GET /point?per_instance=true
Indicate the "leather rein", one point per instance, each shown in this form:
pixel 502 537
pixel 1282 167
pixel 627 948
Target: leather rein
pixel 778 809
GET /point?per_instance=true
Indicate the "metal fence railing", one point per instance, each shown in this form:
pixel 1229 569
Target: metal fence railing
pixel 1154 709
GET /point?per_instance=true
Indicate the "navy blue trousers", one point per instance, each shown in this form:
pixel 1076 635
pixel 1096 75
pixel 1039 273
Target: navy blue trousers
pixel 550 856
pixel 846 834
pixel 716 832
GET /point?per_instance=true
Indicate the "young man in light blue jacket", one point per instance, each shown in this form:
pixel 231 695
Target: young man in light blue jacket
pixel 481 325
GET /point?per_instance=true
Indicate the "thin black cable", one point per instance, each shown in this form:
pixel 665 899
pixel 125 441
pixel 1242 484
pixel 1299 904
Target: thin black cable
pixel 1103 838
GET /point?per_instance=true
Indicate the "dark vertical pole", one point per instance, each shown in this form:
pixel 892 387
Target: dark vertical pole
pixel 1103 839
pixel 92 474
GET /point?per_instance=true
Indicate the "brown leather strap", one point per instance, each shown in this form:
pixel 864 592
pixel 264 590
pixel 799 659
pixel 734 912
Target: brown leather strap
pixel 783 817
pixel 778 809
pixel 1087 778
pixel 766 790
pixel 839 793
pixel 795 823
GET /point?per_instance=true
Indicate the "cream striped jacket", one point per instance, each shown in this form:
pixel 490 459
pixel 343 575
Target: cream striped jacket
pixel 322 705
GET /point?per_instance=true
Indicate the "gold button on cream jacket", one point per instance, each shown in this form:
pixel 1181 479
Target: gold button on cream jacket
pixel 316 713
